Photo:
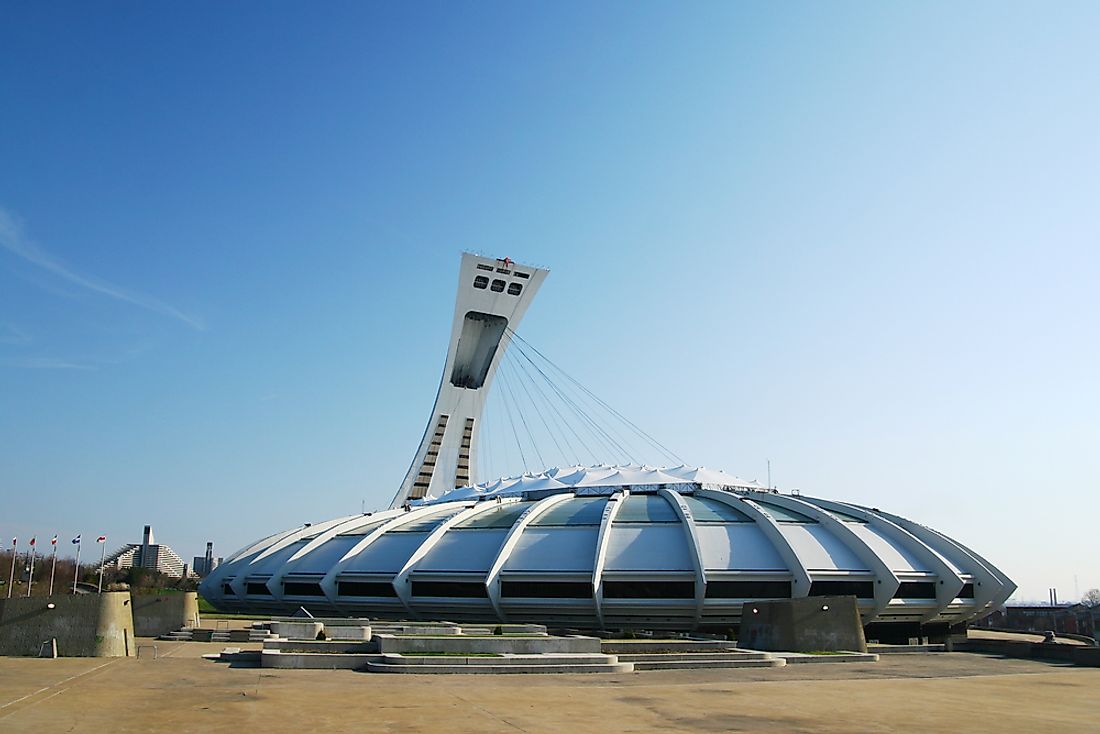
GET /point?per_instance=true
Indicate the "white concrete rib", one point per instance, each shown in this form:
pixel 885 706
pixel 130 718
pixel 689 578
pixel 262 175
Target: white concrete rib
pixel 610 510
pixel 886 582
pixel 492 577
pixel 800 581
pixel 949 583
pixel 691 535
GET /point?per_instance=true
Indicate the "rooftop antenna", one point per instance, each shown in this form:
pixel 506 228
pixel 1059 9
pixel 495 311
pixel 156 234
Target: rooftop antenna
pixel 769 473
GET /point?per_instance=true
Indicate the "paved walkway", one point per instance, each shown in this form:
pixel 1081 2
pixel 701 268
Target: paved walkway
pixel 180 692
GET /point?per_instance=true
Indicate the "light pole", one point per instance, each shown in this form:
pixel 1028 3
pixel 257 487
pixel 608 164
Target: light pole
pixel 102 540
pixel 30 571
pixel 53 568
pixel 76 568
pixel 11 576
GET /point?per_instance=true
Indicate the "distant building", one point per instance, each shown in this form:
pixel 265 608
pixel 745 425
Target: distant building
pixel 148 554
pixel 203 565
pixel 1074 619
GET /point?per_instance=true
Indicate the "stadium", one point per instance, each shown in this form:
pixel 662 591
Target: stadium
pixel 606 546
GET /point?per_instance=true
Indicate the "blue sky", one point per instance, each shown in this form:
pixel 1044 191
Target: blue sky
pixel 857 239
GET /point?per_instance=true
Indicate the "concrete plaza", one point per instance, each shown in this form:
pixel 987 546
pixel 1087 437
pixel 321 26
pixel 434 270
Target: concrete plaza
pixel 181 692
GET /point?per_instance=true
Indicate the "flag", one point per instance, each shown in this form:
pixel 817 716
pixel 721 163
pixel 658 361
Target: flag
pixel 101 539
pixel 32 540
pixel 54 541
pixel 76 540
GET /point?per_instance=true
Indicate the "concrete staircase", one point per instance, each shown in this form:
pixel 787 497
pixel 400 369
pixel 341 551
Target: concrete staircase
pixel 680 654
pixel 201 634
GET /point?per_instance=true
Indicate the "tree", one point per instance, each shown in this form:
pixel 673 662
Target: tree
pixel 1092 598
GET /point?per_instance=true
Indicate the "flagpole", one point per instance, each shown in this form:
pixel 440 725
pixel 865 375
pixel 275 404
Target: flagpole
pixel 53 568
pixel 102 555
pixel 11 576
pixel 30 576
pixel 76 569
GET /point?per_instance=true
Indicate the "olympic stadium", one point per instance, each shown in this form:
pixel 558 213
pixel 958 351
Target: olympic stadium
pixel 605 546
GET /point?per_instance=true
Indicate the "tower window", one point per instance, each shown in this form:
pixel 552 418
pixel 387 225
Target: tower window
pixel 514 289
pixel 483 266
pixel 498 285
pixel 481 281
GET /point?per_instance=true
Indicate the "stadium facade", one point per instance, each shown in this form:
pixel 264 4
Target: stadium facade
pixel 595 547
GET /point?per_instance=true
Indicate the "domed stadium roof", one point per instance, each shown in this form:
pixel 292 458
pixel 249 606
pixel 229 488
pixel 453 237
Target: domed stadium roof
pixel 609 547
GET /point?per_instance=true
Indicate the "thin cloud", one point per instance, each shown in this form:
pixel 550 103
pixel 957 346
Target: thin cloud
pixel 45 363
pixel 12 334
pixel 14 241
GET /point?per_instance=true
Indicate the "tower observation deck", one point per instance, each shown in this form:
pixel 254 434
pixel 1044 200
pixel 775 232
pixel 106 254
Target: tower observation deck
pixel 493 295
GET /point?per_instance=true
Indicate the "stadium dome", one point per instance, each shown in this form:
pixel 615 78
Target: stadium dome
pixel 611 547
pixel 619 545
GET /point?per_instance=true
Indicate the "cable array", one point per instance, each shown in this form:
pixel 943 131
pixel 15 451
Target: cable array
pixel 538 416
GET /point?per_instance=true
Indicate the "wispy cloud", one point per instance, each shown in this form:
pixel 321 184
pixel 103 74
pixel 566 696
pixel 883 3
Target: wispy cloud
pixel 14 241
pixel 45 363
pixel 12 334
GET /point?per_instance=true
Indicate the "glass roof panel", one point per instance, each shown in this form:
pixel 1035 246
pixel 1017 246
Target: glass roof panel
pixel 577 511
pixel 502 516
pixel 708 510
pixel 782 514
pixel 429 523
pixel 646 508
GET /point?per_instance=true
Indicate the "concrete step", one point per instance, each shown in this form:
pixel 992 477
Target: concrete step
pixel 498 669
pixel 800 658
pixel 316 660
pixel 690 656
pixel 670 646
pixel 702 664
pixel 499 660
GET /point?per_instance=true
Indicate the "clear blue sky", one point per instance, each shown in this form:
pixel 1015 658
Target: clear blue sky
pixel 858 239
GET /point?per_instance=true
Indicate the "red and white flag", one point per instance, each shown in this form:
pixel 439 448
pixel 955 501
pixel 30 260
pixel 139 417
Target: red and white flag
pixel 101 539
pixel 14 542
pixel 32 540
pixel 54 541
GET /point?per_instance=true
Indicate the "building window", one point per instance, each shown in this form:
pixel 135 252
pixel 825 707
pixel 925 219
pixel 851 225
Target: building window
pixel 254 589
pixel 465 589
pixel 302 589
pixel 749 590
pixel 522 275
pixel 483 266
pixel 916 590
pixel 649 589
pixel 228 590
pixel 498 285
pixel 514 289
pixel 858 589
pixel 481 282
pixel 546 589
pixel 967 592
pixel 365 588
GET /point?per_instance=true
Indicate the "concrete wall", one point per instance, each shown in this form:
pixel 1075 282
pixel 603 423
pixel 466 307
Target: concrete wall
pixel 1076 654
pixel 85 625
pixel 158 614
pixel 825 623
pixel 493 644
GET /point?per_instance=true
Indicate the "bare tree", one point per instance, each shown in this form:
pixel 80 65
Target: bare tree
pixel 1091 598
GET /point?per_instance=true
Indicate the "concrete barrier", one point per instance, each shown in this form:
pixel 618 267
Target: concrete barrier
pixel 84 625
pixel 493 644
pixel 159 614
pixel 347 632
pixel 810 624
pixel 1077 654
pixel 297 630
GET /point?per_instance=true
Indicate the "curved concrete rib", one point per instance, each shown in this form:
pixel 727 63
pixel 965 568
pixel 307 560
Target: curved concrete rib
pixel 610 510
pixel 401 518
pixel 949 583
pixel 401 578
pixel 886 582
pixel 492 578
pixel 238 583
pixel 800 581
pixel 692 535
pixel 991 588
pixel 275 583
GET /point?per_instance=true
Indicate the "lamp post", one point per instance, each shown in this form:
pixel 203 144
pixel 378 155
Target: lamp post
pixel 11 576
pixel 76 568
pixel 53 568
pixel 102 540
pixel 30 571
